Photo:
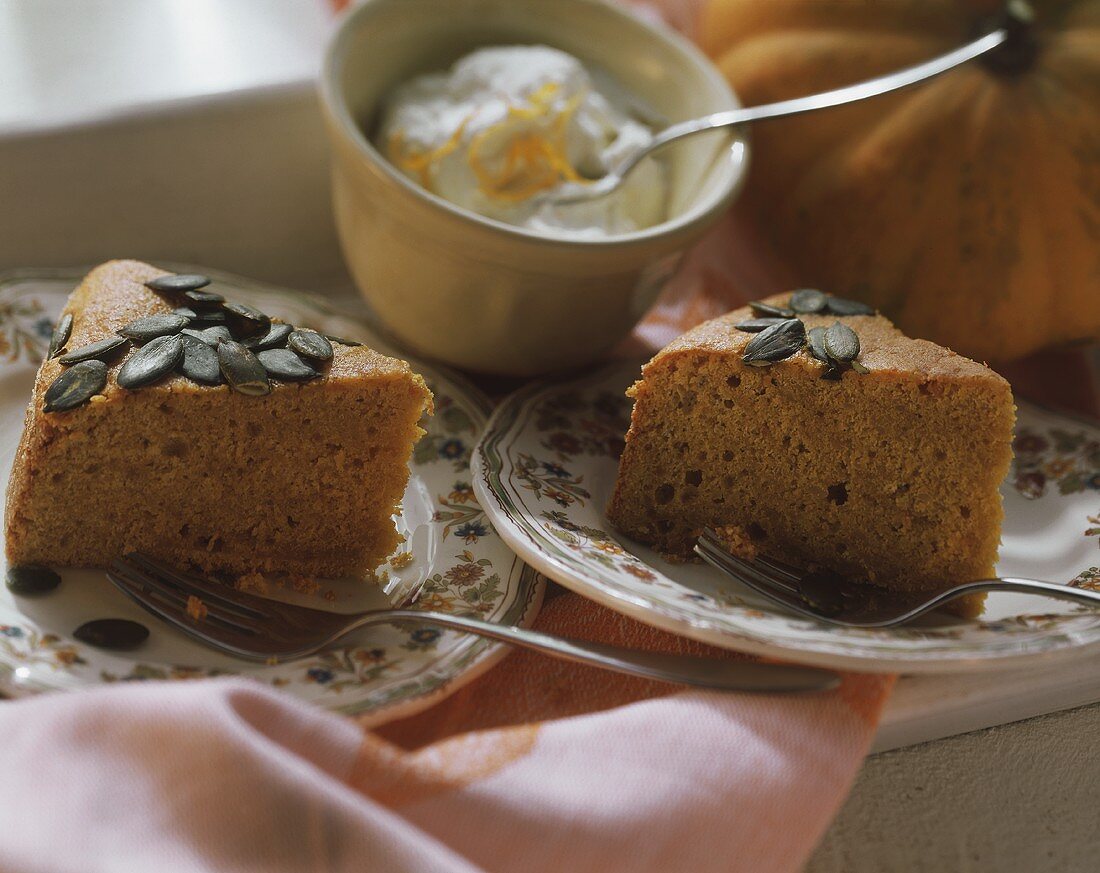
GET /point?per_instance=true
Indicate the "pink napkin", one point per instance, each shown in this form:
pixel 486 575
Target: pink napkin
pixel 228 775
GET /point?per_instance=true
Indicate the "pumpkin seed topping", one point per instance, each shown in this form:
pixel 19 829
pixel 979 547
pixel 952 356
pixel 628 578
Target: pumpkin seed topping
pixel 808 301
pixel 815 342
pixel 214 335
pixel 203 299
pixel 310 344
pixel 112 633
pixel 245 321
pixel 152 326
pixel 151 362
pixel 859 368
pixel 843 306
pixel 286 365
pixel 274 338
pixel 341 341
pixel 76 385
pixel 841 343
pixel 755 325
pixel 208 318
pixel 61 333
pixel 186 312
pixel 766 310
pixel 776 343
pixel 200 362
pixel 179 282
pixel 31 580
pixel 103 350
pixel 242 370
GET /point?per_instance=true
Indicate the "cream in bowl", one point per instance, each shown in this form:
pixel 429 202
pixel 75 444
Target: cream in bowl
pixel 458 260
pixel 506 125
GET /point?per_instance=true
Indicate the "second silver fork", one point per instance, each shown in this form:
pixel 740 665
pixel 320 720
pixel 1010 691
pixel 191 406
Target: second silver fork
pixel 260 629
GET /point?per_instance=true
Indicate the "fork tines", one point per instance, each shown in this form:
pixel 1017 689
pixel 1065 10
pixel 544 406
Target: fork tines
pixel 166 592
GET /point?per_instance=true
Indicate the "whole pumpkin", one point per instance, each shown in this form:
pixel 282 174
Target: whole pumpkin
pixel 966 208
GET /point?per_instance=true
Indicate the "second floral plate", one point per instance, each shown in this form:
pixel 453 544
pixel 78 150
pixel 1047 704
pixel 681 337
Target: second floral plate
pixel 546 464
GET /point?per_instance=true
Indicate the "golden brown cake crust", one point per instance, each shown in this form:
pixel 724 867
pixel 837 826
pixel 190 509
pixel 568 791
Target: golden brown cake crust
pixel 892 475
pixel 303 480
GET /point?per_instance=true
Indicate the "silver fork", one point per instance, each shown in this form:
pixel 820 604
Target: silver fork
pixel 259 629
pixel 833 599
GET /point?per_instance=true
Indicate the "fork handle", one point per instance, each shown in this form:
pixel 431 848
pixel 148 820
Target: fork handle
pixel 724 674
pixel 1028 586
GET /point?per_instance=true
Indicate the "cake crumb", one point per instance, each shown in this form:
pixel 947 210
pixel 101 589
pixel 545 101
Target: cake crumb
pixel 252 582
pixel 330 596
pixel 401 559
pixel 305 585
pixel 738 542
pixel 196 608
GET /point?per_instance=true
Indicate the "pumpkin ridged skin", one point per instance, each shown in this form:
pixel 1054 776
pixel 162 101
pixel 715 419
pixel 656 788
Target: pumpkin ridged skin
pixel 966 208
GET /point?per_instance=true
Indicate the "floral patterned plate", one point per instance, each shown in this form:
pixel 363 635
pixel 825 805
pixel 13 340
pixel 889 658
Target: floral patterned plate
pixel 547 461
pixel 385 672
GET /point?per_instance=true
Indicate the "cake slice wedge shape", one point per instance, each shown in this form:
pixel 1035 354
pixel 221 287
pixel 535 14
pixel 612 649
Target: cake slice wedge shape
pixel 887 469
pixel 294 477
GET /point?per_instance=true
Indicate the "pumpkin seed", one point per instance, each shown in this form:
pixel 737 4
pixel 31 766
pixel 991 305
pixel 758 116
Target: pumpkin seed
pixel 203 299
pixel 103 350
pixel 310 344
pixel 341 341
pixel 79 383
pixel 808 301
pixel 61 333
pixel 859 368
pixel 151 362
pixel 187 313
pixel 112 633
pixel 245 321
pixel 151 326
pixel 214 335
pixel 208 318
pixel 31 580
pixel 766 310
pixel 178 282
pixel 200 362
pixel 755 325
pixel 274 338
pixel 285 365
pixel 841 342
pixel 815 341
pixel 843 306
pixel 242 370
pixel 776 343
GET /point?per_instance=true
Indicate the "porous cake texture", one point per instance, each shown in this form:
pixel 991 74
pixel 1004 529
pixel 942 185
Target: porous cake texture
pixel 890 475
pixel 303 480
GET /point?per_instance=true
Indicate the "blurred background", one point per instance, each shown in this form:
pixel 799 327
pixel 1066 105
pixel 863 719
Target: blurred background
pixel 171 130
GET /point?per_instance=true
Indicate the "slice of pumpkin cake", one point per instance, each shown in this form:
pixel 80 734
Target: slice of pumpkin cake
pixel 170 421
pixel 815 426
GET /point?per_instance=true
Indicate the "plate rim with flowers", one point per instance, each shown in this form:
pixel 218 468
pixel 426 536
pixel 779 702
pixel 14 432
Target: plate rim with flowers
pixel 550 448
pixel 469 570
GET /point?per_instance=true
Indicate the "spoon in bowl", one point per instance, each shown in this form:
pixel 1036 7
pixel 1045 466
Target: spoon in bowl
pixel 1016 17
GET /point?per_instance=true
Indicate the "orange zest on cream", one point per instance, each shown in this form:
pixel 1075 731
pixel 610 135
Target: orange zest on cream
pixel 507 123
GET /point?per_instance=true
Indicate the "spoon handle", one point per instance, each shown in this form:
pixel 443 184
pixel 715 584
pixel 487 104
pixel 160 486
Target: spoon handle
pixel 848 94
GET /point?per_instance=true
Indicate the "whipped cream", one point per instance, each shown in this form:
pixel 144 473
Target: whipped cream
pixel 507 123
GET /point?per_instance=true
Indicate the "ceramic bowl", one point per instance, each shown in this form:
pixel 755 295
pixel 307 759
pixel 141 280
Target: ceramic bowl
pixel 477 293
